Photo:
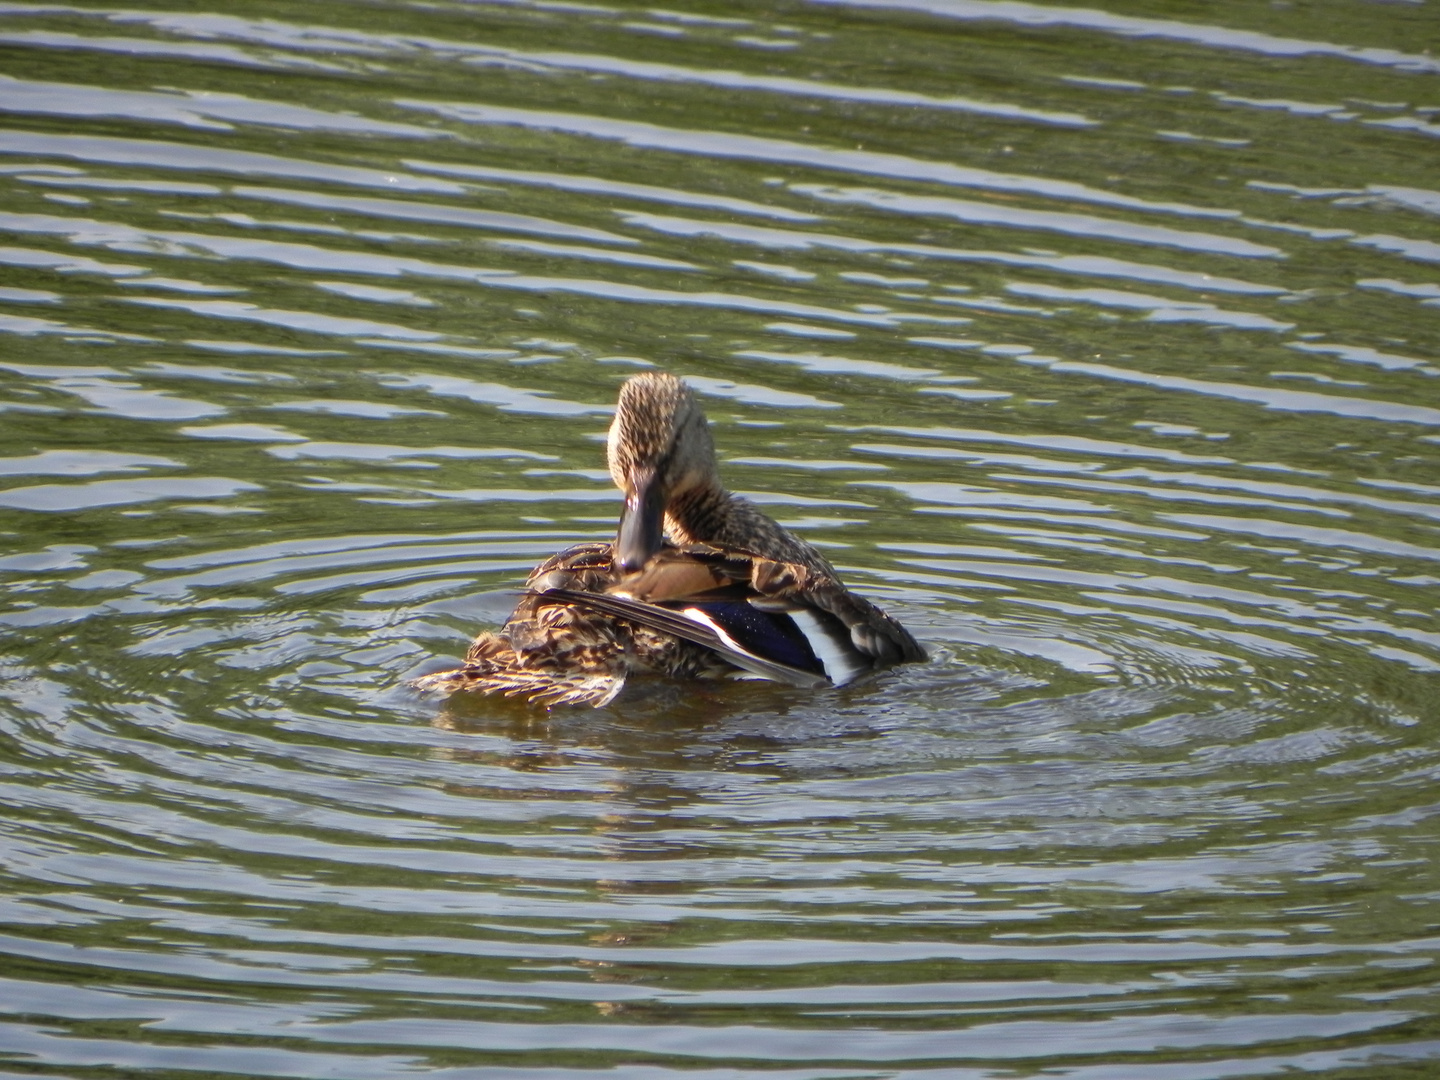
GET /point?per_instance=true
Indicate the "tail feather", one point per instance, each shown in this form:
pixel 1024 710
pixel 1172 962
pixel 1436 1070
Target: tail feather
pixel 541 687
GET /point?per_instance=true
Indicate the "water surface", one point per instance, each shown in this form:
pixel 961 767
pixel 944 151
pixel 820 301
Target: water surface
pixel 1102 346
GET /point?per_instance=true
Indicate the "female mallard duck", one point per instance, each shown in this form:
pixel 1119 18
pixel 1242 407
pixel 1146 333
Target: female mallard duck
pixel 732 592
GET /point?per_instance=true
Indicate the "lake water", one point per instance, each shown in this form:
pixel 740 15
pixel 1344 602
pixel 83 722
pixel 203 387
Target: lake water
pixel 1102 346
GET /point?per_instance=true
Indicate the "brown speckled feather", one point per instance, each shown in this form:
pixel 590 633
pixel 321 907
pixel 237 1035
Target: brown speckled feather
pixel 686 548
pixel 557 653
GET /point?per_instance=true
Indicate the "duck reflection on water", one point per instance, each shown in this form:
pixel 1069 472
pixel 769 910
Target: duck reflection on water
pixel 699 583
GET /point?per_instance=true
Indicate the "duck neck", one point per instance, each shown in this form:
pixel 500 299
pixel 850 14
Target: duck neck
pixel 702 515
pixel 713 516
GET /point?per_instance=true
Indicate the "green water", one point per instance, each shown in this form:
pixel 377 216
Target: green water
pixel 1102 347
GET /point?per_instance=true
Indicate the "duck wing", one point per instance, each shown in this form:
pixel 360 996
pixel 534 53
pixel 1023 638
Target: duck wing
pixel 733 629
pixel 875 640
pixel 774 619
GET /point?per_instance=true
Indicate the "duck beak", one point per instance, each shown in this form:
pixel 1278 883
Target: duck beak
pixel 642 526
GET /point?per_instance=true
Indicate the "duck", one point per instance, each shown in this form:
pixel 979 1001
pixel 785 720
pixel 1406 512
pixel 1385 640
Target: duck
pixel 698 583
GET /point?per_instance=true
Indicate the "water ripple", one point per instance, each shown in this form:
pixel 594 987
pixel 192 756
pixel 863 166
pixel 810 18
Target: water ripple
pixel 1115 390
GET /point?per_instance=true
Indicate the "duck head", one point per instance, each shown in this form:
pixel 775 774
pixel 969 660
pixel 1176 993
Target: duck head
pixel 659 450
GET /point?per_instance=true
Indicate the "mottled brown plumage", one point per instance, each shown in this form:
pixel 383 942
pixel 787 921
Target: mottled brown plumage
pixel 731 591
pixel 557 653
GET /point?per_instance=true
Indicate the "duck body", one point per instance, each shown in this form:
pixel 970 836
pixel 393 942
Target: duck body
pixel 699 583
pixel 557 652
